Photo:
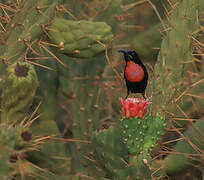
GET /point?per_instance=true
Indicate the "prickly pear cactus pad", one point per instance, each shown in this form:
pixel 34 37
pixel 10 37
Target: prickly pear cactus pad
pixel 111 152
pixel 176 48
pixel 26 26
pixel 82 39
pixel 140 132
pixel 18 90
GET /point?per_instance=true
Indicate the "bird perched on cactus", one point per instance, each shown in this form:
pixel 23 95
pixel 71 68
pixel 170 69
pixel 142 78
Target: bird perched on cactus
pixel 135 73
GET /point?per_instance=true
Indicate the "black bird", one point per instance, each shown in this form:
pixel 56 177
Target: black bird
pixel 135 73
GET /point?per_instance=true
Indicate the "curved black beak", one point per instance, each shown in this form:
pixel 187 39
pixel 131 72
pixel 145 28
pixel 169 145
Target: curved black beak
pixel 122 51
pixel 125 53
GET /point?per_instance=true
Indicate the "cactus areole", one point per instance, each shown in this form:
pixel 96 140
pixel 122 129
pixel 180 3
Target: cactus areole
pixel 21 70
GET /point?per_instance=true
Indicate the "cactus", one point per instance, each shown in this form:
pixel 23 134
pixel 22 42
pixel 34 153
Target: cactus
pixel 140 135
pixel 52 154
pixel 110 152
pixel 175 50
pixel 15 100
pixel 82 111
pixel 169 81
pixel 72 95
pixel 25 27
pixel 15 142
pixel 47 91
pixel 186 152
pixel 16 145
pixel 102 11
pixel 82 39
pixel 20 82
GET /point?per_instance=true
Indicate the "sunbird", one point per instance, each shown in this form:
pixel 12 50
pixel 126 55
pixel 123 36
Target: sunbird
pixel 135 73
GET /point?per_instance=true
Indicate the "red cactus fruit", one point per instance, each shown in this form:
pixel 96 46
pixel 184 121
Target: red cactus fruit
pixel 132 107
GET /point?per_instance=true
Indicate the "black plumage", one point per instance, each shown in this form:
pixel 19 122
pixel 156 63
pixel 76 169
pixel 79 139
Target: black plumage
pixel 134 66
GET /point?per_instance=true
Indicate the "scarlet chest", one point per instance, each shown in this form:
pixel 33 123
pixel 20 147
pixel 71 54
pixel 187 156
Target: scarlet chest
pixel 134 72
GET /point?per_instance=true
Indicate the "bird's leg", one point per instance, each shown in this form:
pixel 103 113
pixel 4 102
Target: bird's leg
pixel 144 96
pixel 127 94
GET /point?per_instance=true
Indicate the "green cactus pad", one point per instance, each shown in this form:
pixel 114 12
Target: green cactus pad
pixel 175 52
pixel 112 156
pixel 110 152
pixel 140 135
pixel 80 39
pixel 18 89
pixel 26 26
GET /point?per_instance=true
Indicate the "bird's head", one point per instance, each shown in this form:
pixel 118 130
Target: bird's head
pixel 130 55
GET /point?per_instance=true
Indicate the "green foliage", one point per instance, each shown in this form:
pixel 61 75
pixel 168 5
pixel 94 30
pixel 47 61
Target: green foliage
pixel 4 158
pixel 108 11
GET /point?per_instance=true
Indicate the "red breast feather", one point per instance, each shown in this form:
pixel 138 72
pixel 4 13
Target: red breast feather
pixel 134 72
